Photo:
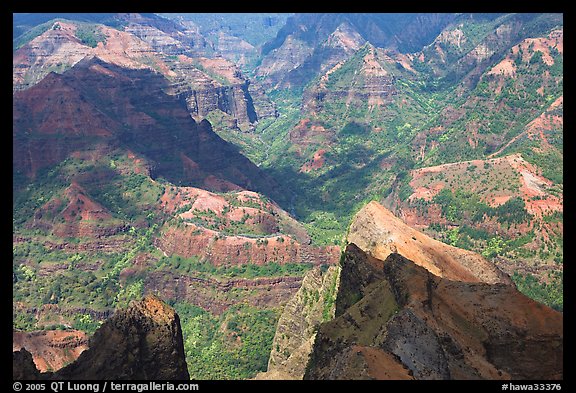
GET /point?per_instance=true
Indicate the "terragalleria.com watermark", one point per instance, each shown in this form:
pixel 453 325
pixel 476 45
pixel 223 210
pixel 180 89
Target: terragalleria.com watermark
pixel 97 387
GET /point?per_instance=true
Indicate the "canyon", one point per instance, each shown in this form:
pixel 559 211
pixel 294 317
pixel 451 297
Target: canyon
pixel 288 196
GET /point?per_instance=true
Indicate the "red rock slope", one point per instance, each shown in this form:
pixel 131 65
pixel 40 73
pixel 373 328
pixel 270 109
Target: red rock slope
pixel 379 233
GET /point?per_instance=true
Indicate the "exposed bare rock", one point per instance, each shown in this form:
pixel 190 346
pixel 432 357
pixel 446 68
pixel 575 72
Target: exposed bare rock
pixel 372 82
pixel 59 48
pixel 143 341
pixel 379 233
pixel 220 249
pixel 149 43
pixel 296 329
pixel 338 47
pixel 235 49
pixel 165 35
pixel 97 103
pixel 282 60
pixel 397 320
pixel 216 296
pixel 51 349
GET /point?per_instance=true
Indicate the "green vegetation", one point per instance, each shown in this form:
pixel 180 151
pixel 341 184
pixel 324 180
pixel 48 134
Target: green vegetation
pixel 330 299
pixel 30 34
pixel 234 345
pixel 551 162
pixel 433 116
pixel 462 205
pixel 90 35
pixel 194 266
pixel 551 294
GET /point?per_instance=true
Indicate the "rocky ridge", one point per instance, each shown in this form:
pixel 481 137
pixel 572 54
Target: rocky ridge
pixel 119 104
pixel 396 320
pixel 143 341
pixel 148 43
pixel 379 233
pixel 296 329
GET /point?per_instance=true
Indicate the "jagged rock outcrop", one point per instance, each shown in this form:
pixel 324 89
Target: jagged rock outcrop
pixel 379 233
pixel 51 349
pixel 296 329
pixel 143 341
pixel 213 84
pixel 396 320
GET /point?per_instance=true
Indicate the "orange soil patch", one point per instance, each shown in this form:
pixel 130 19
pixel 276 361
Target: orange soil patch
pixel 405 60
pixel 316 163
pixel 535 129
pixel 126 50
pixel 325 77
pixel 530 183
pixel 499 200
pixel 542 45
pixel 51 349
pixel 371 66
pixel 80 203
pixel 248 196
pixel 138 164
pixel 506 67
pixel 379 233
pixel 426 193
pixel 382 365
pixel 534 185
pixel 198 198
pixel 349 42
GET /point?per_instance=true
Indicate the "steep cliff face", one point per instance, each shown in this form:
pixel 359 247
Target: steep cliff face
pixel 396 320
pixel 339 46
pixel 296 329
pixel 309 40
pixel 165 35
pixel 223 250
pixel 214 84
pixel 59 48
pixel 377 231
pixel 363 78
pixel 147 42
pixel 143 341
pixel 97 103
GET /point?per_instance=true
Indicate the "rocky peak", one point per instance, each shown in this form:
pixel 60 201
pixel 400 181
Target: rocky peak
pixel 397 320
pixel 379 233
pixel 143 341
pixel 345 37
